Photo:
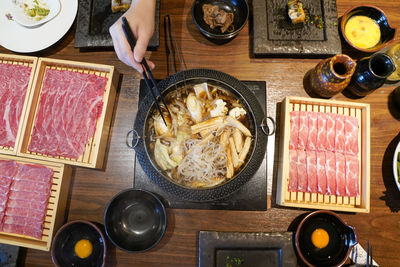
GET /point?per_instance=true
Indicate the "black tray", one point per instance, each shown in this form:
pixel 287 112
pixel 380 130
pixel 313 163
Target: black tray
pixel 95 18
pixel 251 196
pixel 275 35
pixel 223 249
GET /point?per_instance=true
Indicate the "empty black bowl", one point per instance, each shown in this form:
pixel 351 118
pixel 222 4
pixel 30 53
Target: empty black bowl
pixel 239 8
pixel 63 246
pixel 135 220
pixel 342 238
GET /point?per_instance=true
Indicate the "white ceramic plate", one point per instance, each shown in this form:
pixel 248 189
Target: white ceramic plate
pixel 395 172
pixel 21 39
pixel 19 15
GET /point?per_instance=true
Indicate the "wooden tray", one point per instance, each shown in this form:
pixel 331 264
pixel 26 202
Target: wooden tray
pixel 25 61
pixel 94 152
pixel 55 209
pixel 320 201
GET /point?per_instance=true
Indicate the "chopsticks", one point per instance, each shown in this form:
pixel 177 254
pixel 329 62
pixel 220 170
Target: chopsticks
pixel 370 261
pixel 146 69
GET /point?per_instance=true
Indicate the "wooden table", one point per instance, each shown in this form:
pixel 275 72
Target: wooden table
pixel 92 189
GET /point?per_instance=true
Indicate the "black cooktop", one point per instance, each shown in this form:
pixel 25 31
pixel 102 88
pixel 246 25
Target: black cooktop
pixel 251 196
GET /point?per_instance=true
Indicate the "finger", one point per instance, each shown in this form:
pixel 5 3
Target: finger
pixel 151 64
pixel 125 54
pixel 140 49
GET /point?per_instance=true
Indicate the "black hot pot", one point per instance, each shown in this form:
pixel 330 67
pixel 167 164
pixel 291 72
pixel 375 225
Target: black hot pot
pixel 258 128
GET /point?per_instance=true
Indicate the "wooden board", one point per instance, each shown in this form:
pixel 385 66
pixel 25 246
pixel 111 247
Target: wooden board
pixel 55 209
pixel 24 61
pixel 320 201
pixel 93 155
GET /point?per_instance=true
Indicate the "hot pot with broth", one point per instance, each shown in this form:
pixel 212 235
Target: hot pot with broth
pixel 214 140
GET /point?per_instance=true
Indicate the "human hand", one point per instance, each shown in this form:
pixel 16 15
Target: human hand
pixel 141 20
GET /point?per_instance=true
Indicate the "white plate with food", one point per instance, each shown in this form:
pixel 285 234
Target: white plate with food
pixel 23 39
pixel 396 165
pixel 32 13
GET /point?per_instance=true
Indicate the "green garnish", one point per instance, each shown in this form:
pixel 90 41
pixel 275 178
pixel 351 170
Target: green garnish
pixel 235 261
pixel 37 12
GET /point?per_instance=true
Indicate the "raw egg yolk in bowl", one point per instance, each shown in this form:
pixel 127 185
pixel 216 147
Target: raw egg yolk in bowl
pixel 83 248
pixel 320 238
pixel 362 31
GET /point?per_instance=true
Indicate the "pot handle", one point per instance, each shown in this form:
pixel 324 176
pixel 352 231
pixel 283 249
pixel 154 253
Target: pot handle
pixel 265 128
pixel 135 138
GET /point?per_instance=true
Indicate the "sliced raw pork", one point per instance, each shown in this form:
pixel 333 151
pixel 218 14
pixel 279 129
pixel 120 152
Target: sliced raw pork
pixel 301 171
pixel 351 135
pixel 352 176
pixel 312 182
pixel 292 170
pixel 69 106
pixel 303 130
pixel 340 174
pixel 312 130
pixel 14 80
pixel 321 132
pixel 294 129
pixel 330 172
pixel 321 172
pixel 330 131
pixel 339 136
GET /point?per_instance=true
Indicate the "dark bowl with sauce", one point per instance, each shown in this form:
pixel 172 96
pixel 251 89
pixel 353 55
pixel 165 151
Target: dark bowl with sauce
pixel 239 8
pixel 387 32
pixel 63 246
pixel 342 238
pixel 135 220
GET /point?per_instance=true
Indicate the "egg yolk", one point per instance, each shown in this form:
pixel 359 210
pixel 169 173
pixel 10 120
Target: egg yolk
pixel 320 238
pixel 83 248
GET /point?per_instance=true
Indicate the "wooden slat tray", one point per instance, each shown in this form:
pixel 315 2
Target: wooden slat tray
pixel 95 148
pixel 320 201
pixel 55 209
pixel 25 61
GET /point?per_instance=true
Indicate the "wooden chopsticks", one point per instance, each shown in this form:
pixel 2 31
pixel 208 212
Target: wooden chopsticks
pixel 146 69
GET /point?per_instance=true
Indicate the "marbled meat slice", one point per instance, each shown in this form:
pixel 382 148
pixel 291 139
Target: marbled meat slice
pixel 14 80
pixel 352 176
pixel 312 130
pixel 340 174
pixel 330 131
pixel 351 135
pixel 303 130
pixel 301 171
pixel 69 106
pixel 292 170
pixel 8 168
pixel 312 181
pixel 330 164
pixel 339 136
pixel 294 129
pixel 321 133
pixel 23 226
pixel 321 172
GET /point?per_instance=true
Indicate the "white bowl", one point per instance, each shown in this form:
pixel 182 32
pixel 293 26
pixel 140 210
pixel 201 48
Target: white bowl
pixel 20 17
pixel 395 171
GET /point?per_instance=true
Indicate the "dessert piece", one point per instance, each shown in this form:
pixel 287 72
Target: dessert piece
pixel 296 12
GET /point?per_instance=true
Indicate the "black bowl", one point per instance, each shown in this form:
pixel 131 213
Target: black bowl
pixel 387 32
pixel 135 220
pixel 63 246
pixel 239 8
pixel 342 238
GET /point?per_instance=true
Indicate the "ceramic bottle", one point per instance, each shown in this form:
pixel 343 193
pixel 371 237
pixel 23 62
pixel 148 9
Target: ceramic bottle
pixel 332 75
pixel 370 74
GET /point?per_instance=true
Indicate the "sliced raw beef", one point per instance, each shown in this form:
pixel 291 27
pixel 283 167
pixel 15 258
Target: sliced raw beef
pixel 352 176
pixel 8 168
pixel 34 215
pixel 14 80
pixel 321 172
pixel 303 130
pixel 312 130
pixel 330 165
pixel 34 173
pixel 293 170
pixel 69 106
pixel 351 135
pixel 301 171
pixel 330 131
pixel 339 137
pixel 312 181
pixel 340 174
pixel 294 129
pixel 321 133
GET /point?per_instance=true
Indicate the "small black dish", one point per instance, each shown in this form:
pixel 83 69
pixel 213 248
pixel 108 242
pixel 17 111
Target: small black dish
pixel 135 220
pixel 239 8
pixel 63 246
pixel 342 238
pixel 387 32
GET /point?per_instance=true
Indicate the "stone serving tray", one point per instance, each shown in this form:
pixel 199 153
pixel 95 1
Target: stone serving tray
pixel 275 35
pixel 94 19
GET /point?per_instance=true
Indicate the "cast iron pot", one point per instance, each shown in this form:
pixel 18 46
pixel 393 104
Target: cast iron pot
pixel 257 127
